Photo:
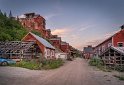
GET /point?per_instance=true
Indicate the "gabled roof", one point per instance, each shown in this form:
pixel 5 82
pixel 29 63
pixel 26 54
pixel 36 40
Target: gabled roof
pixel 119 49
pixel 108 38
pixel 43 41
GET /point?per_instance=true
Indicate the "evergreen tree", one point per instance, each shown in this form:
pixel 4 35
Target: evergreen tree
pixel 10 14
pixel 10 29
pixel 1 12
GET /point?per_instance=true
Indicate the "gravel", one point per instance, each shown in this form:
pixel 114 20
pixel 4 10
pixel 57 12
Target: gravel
pixel 76 72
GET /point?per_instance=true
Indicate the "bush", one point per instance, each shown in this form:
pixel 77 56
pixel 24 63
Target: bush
pixel 119 68
pixel 52 64
pixel 29 65
pixel 45 64
pixel 96 62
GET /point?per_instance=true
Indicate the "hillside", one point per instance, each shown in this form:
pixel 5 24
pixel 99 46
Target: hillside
pixel 10 30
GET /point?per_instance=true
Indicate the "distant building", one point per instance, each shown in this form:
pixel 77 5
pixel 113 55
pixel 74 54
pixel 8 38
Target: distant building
pixel 65 47
pixel 56 41
pixel 88 52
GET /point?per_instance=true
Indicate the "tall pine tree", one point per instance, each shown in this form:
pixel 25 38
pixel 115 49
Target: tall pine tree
pixel 10 15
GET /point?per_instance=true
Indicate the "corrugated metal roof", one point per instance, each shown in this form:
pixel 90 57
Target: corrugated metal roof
pixel 119 49
pixel 43 41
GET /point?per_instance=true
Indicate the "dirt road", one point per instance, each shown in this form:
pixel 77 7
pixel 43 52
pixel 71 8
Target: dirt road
pixel 75 72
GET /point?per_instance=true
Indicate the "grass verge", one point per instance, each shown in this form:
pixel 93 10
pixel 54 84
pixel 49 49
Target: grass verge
pixel 45 64
pixel 99 64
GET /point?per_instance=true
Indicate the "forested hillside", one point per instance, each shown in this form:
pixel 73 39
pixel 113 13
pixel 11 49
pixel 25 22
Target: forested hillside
pixel 10 30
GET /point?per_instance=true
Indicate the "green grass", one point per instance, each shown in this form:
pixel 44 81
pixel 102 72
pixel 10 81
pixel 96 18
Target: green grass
pixel 52 64
pixel 33 65
pixel 29 65
pixel 99 64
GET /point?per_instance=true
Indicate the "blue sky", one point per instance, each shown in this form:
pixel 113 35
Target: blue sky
pixel 79 22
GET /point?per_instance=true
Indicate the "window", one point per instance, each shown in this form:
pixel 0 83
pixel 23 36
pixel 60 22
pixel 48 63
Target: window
pixel 120 44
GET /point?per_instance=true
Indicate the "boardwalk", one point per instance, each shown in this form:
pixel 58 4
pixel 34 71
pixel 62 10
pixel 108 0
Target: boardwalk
pixel 75 72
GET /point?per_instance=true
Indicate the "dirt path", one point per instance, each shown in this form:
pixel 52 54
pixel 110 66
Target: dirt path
pixel 75 72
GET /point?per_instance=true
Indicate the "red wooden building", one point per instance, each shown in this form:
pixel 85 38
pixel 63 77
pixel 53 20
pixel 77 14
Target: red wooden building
pixel 116 40
pixel 46 49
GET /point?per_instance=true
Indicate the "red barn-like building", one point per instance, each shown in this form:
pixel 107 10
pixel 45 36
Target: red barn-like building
pixel 46 49
pixel 117 40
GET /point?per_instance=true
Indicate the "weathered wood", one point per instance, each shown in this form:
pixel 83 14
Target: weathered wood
pixel 16 48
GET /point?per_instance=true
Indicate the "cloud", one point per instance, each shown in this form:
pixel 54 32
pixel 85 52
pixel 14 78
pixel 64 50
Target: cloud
pixel 47 17
pixel 85 27
pixel 78 38
pixel 60 32
pixel 97 41
pixel 72 34
pixel 22 16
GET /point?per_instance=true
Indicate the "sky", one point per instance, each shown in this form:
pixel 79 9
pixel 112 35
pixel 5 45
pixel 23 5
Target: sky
pixel 78 22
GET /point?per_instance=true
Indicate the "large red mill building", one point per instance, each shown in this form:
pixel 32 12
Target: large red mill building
pixel 33 21
pixel 56 41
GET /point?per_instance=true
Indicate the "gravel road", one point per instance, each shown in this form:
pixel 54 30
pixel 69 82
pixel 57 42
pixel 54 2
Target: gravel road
pixel 75 72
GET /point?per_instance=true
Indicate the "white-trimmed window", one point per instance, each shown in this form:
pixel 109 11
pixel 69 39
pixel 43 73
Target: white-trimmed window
pixel 120 44
pixel 48 52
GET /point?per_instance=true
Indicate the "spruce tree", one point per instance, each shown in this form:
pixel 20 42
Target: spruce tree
pixel 10 14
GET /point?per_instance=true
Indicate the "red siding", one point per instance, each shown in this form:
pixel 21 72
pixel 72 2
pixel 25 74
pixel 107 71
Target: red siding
pixel 119 37
pixel 56 43
pixel 65 48
pixel 100 48
pixel 29 37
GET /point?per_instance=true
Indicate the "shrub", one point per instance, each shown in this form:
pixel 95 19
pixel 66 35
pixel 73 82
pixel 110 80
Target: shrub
pixel 45 64
pixel 52 64
pixel 29 65
pixel 119 68
pixel 96 62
